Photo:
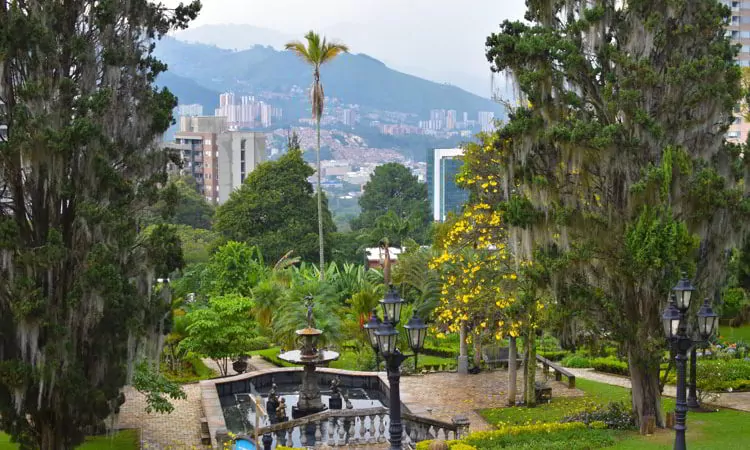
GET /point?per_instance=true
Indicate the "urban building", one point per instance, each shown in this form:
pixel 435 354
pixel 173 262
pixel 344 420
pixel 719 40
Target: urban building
pixel 240 152
pixel 193 110
pixel 348 117
pixel 738 30
pixel 450 119
pixel 218 159
pixel 443 164
pixel 246 111
pixel 486 120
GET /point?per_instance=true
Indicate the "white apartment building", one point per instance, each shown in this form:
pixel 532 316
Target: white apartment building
pixel 240 152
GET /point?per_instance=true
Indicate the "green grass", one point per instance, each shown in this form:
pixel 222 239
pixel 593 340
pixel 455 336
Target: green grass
pixel 735 334
pixel 196 372
pixel 124 440
pixel 726 429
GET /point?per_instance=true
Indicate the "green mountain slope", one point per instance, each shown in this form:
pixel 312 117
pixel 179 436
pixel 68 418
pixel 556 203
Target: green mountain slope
pixel 356 78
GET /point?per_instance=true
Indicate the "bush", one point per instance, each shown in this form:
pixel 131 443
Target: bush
pixel 610 364
pixel 547 436
pixel 616 416
pixel 555 355
pixel 733 301
pixel 719 375
pixel 259 343
pixel 576 362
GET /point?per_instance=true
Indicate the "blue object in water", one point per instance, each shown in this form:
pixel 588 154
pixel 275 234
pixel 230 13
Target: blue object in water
pixel 244 444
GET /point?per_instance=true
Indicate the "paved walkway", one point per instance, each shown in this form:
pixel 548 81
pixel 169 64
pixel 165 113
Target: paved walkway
pixel 447 394
pixel 734 400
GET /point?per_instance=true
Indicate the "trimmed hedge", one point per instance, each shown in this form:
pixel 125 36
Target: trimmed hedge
pixel 610 364
pixel 555 355
pixel 576 362
pixel 548 436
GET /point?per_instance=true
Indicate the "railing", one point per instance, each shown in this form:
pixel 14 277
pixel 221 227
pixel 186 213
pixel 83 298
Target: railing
pixel 354 427
pixel 559 371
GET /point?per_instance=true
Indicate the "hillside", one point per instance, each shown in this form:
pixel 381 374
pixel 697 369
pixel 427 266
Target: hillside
pixel 357 79
pixel 189 92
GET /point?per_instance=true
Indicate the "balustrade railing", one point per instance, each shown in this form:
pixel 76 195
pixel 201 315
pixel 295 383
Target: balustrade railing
pixel 354 427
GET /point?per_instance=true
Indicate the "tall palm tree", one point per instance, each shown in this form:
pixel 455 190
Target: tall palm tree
pixel 316 53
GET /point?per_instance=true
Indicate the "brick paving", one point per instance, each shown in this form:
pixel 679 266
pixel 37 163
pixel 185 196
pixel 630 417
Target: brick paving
pixel 445 395
pixel 178 430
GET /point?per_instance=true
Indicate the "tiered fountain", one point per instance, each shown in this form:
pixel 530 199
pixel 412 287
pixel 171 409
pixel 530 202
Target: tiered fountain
pixel 310 357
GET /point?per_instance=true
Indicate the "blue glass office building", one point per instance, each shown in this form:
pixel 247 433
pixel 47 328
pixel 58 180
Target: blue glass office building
pixel 443 164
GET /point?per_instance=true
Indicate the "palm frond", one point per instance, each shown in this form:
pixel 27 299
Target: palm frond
pixel 300 50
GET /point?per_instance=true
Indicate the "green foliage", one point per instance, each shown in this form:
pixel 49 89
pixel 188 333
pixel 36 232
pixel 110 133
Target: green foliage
pixel 346 248
pixel 164 245
pixel 181 204
pixel 221 330
pixel 576 362
pixel 616 416
pixel 733 301
pixel 157 389
pixel 656 240
pixel 79 165
pixel 610 365
pixel 292 312
pixel 720 375
pixel 394 206
pixel 193 369
pixel 553 355
pixel 275 209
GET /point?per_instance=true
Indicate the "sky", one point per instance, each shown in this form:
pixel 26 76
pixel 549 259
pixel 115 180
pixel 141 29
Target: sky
pixel 437 39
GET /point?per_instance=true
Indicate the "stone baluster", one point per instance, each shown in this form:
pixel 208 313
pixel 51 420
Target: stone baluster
pixel 351 438
pixel 381 428
pixel 302 434
pixel 331 429
pixel 342 423
pixel 319 434
pixel 413 431
pixel 362 430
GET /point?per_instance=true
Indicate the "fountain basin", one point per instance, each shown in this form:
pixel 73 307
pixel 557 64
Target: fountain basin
pixel 319 358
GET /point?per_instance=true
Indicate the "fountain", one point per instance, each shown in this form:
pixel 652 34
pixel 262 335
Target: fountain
pixel 309 356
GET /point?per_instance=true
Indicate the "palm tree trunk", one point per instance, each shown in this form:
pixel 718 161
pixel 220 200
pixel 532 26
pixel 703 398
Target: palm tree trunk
pixel 320 208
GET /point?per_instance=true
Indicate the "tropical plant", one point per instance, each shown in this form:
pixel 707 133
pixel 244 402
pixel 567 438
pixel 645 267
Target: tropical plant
pixel 221 330
pixel 316 53
pixel 291 315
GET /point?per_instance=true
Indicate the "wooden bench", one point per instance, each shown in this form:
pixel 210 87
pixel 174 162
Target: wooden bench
pixel 493 355
pixel 559 371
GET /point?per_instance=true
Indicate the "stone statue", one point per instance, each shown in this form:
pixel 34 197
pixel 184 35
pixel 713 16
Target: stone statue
pixel 272 396
pixel 335 391
pixel 309 302
pixel 281 411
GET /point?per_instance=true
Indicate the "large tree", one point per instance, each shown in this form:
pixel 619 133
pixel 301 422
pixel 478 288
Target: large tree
pixel 617 160
pixel 394 205
pixel 316 53
pixel 182 204
pixel 80 160
pixel 275 210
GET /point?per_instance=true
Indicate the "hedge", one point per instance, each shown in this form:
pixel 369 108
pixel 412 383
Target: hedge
pixel 610 364
pixel 555 355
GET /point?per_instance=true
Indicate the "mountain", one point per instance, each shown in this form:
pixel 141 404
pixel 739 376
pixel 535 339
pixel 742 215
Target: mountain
pixel 189 92
pixel 352 78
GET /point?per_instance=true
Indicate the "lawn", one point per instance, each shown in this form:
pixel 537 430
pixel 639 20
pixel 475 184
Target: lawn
pixel 735 334
pixel 123 440
pixel 726 429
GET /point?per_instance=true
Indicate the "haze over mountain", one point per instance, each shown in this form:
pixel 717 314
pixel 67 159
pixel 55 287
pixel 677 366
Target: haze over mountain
pixel 360 39
pixel 352 78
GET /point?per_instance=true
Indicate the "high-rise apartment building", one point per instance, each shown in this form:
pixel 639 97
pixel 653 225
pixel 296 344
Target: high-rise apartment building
pixel 240 152
pixel 443 164
pixel 486 120
pixel 450 119
pixel 246 111
pixel 348 117
pixel 193 110
pixel 218 159
pixel 739 31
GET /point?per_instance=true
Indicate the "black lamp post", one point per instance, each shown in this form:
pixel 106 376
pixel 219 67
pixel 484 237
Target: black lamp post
pixel 371 326
pixel 416 330
pixel 675 324
pixel 387 342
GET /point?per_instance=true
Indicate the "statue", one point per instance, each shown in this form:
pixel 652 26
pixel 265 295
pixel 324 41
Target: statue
pixel 309 303
pixel 335 391
pixel 281 411
pixel 273 401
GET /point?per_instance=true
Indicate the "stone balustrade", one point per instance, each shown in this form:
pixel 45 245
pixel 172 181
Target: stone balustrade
pixel 360 427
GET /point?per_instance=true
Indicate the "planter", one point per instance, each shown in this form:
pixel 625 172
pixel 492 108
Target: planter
pixel 240 366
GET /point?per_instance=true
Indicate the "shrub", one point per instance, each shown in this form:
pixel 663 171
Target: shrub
pixel 259 343
pixel 615 416
pixel 555 355
pixel 733 301
pixel 547 436
pixel 610 365
pixel 576 362
pixel 718 375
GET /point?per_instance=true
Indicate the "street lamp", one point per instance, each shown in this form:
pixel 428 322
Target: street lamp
pixel 387 344
pixel 371 326
pixel 674 320
pixel 416 330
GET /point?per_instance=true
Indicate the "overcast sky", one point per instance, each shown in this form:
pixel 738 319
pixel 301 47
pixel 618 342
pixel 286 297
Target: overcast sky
pixel 432 38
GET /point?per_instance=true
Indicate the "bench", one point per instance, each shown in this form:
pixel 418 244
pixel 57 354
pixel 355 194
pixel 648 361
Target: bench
pixel 559 371
pixel 493 355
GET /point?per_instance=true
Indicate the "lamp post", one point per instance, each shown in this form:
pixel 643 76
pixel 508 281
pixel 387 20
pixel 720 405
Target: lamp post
pixel 387 344
pixel 371 326
pixel 674 319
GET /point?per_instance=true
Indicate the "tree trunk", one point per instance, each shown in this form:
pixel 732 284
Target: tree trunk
pixel 51 438
pixel 512 371
pixel 463 352
pixel 477 350
pixel 530 369
pixel 320 206
pixel 644 377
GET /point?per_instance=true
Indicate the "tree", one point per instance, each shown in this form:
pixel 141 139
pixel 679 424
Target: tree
pixel 275 210
pixel 182 204
pixel 317 52
pixel 222 330
pixel 618 163
pixel 79 161
pixel 395 193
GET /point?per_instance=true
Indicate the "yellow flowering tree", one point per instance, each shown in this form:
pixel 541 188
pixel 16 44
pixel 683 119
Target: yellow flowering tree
pixel 485 288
